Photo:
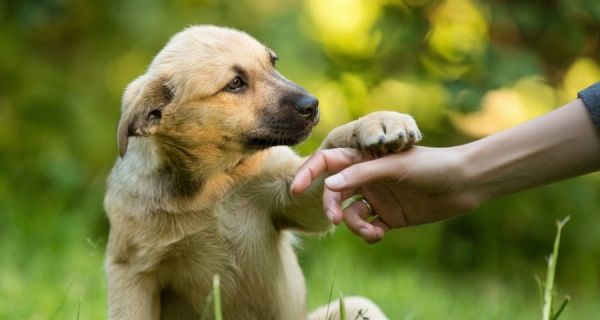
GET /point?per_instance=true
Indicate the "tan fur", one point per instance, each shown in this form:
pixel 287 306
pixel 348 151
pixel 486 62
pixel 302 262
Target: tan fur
pixel 188 199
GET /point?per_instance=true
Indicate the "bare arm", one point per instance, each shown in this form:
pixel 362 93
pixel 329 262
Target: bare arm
pixel 425 185
pixel 561 144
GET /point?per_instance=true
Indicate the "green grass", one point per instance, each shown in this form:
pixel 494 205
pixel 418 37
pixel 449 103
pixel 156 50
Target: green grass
pixel 217 298
pixel 407 291
pixel 342 307
pixel 51 270
pixel 62 278
pixel 549 292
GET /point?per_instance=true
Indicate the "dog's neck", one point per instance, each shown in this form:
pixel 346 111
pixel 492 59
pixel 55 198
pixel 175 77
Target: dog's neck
pixel 158 181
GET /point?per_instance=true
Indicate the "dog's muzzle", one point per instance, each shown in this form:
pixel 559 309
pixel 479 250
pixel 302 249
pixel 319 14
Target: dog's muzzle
pixel 289 123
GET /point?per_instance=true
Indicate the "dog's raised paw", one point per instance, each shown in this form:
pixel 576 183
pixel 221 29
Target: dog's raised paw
pixel 385 132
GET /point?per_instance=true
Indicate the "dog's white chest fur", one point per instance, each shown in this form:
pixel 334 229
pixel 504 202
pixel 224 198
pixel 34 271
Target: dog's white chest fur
pixel 182 244
pixel 255 262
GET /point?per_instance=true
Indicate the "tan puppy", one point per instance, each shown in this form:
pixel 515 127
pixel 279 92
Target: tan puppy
pixel 201 188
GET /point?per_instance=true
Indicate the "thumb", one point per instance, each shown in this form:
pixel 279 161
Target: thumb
pixel 362 173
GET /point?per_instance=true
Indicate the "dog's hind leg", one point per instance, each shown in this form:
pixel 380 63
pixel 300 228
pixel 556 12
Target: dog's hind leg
pixel 357 308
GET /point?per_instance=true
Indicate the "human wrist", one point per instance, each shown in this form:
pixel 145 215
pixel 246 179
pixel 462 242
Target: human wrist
pixel 472 181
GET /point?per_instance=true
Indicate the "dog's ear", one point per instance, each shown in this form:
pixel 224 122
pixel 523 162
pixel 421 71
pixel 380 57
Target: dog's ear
pixel 141 113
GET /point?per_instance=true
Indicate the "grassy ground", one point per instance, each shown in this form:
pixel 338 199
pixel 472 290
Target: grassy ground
pixel 406 290
pixel 56 278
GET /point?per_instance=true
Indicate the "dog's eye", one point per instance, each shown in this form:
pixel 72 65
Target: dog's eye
pixel 236 84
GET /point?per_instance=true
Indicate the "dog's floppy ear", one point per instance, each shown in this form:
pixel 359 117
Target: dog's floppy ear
pixel 143 103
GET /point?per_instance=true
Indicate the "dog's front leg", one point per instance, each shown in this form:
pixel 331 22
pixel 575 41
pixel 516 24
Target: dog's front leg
pixel 132 296
pixel 377 133
pixel 301 212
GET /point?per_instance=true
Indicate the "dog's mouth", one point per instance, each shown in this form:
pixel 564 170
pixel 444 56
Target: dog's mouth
pixel 282 128
pixel 276 139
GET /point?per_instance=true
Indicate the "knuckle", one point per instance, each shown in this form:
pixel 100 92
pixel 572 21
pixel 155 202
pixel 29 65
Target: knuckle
pixel 320 153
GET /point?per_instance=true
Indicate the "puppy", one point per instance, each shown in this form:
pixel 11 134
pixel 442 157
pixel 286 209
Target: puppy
pixel 202 184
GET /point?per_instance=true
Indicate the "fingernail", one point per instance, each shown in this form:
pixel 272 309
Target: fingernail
pixel 293 184
pixel 364 232
pixel 293 189
pixel 334 181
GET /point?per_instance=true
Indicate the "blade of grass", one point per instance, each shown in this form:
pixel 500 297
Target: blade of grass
pixel 562 307
pixel 540 287
pixel 342 307
pixel 217 297
pixel 78 310
pixel 552 260
pixel 64 298
pixel 330 295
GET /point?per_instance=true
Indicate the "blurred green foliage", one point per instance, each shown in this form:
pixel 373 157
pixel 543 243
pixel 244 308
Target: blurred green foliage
pixel 463 68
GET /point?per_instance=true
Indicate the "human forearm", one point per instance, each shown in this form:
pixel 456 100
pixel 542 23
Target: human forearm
pixel 561 144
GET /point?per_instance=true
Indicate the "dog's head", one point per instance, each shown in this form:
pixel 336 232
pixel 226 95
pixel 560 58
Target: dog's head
pixel 212 91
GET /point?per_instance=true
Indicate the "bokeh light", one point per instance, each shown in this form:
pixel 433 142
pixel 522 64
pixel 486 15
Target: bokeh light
pixel 345 26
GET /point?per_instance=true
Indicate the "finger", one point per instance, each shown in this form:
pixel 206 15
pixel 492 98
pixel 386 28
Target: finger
pixel 331 160
pixel 380 227
pixel 361 174
pixel 303 179
pixel 355 217
pixel 332 203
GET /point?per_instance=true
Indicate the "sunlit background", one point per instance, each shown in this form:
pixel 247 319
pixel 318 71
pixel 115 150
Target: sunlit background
pixel 464 68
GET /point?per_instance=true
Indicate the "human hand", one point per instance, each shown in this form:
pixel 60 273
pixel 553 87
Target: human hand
pixel 418 186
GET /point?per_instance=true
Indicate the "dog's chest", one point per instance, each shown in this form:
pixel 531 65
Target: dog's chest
pixel 256 262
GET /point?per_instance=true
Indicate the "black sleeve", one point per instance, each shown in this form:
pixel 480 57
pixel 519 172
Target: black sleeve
pixel 591 98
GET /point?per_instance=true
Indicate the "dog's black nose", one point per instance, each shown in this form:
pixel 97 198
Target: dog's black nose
pixel 307 106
